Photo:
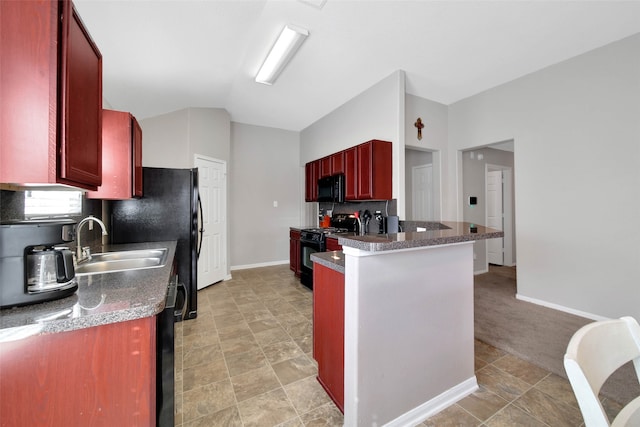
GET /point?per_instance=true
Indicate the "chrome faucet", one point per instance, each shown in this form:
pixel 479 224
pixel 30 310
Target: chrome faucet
pixel 81 254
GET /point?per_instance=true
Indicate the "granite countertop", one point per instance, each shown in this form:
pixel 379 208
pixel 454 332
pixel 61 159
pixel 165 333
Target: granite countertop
pixel 455 232
pixel 443 233
pixel 333 260
pixel 303 227
pixel 100 299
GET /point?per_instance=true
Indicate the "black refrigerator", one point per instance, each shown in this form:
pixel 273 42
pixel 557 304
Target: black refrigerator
pixel 168 210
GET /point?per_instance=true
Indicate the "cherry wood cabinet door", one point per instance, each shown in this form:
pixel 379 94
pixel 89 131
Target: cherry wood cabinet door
pixel 381 170
pixel 312 174
pixel 351 173
pixel 328 330
pixel 28 91
pixel 99 376
pixel 81 100
pixel 374 170
pixel 121 157
pixel 365 171
pixel 332 244
pixel 337 163
pixel 50 96
pixel 137 158
pixel 325 167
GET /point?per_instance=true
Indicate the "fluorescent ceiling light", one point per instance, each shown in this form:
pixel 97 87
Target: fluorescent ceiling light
pixel 281 53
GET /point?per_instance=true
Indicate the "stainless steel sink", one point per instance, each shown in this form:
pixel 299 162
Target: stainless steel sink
pixel 111 262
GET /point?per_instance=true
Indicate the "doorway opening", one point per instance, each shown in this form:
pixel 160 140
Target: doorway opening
pixel 488 198
pixel 422 185
pixel 499 213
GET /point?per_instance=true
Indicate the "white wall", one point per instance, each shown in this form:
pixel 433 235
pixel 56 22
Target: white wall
pixel 435 138
pixel 265 167
pixel 577 158
pixel 435 134
pixel 170 140
pixel 374 114
pixel 371 115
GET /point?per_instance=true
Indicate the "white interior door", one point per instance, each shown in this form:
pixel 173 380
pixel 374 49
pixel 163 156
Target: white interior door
pixel 495 252
pixel 212 183
pixel 422 189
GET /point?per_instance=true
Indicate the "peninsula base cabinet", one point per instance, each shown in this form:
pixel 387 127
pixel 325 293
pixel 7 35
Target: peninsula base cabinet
pixel 332 244
pixel 328 330
pixel 98 376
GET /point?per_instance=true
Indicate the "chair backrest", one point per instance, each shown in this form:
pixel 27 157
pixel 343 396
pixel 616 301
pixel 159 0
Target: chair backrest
pixel 594 352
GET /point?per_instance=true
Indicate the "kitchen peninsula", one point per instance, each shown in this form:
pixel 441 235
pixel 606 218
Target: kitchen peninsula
pixel 408 321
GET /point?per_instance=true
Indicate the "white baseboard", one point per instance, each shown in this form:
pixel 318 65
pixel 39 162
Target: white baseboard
pixel 561 308
pixel 260 264
pixel 435 405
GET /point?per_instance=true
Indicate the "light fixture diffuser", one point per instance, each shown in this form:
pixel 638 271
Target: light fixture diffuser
pixel 281 53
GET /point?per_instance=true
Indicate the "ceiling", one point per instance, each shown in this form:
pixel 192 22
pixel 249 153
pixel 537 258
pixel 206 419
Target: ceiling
pixel 161 55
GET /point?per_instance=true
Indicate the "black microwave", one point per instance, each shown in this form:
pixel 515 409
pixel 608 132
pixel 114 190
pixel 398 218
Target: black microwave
pixel 331 189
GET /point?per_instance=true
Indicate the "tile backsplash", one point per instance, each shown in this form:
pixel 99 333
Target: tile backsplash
pixel 386 207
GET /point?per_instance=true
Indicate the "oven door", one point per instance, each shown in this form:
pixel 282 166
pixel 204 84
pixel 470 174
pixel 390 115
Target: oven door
pixel 308 247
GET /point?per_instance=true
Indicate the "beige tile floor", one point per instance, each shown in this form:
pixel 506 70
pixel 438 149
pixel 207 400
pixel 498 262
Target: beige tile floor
pixel 246 361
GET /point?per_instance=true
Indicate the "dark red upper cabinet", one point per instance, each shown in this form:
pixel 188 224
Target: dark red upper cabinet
pixel 337 163
pixel 137 158
pixel 50 96
pixel 121 157
pixel 351 173
pixel 374 170
pixel 367 169
pixel 325 167
pixel 312 174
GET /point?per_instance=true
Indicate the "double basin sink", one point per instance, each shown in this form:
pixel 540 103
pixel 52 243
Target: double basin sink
pixel 112 262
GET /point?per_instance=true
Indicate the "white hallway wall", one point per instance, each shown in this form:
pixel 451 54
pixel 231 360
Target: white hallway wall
pixel 577 160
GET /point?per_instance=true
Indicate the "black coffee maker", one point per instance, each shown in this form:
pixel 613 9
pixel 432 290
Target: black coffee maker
pixel 34 264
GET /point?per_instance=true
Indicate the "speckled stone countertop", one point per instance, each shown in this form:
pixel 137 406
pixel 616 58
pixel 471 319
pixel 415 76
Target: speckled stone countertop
pixel 450 232
pixel 456 232
pixel 303 228
pixel 333 260
pixel 100 299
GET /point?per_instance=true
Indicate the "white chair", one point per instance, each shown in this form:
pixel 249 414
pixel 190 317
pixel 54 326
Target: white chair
pixel 595 352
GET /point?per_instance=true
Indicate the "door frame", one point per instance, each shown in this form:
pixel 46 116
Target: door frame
pixel 507 209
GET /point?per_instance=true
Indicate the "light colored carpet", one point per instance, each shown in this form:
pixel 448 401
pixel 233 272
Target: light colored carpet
pixel 532 332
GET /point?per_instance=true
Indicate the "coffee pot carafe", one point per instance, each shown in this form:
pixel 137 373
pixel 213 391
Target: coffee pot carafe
pixel 49 268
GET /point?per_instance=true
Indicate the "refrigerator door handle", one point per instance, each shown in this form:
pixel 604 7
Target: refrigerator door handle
pixel 201 227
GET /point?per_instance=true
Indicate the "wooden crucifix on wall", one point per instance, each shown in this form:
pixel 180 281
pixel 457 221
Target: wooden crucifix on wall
pixel 419 125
